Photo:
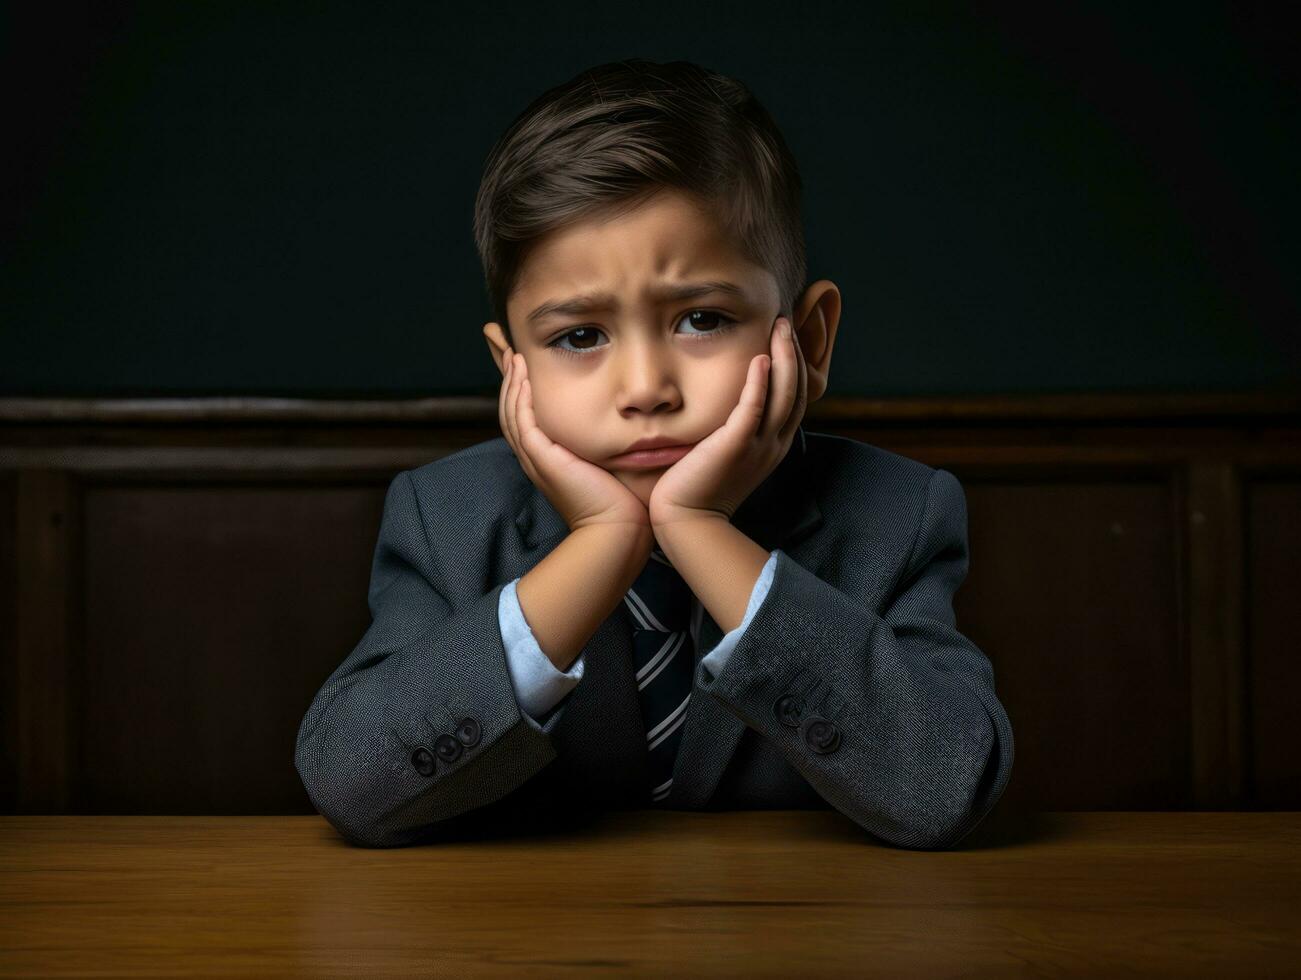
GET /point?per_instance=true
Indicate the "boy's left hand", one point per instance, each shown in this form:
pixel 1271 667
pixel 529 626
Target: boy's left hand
pixel 723 469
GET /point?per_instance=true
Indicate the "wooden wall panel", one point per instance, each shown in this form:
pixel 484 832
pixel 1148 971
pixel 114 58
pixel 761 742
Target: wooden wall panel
pixel 1071 593
pixel 179 577
pixel 1274 658
pixel 9 700
pixel 213 614
pixel 47 533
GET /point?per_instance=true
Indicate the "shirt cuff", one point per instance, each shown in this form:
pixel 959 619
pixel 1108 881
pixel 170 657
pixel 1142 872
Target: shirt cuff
pixel 716 658
pixel 539 685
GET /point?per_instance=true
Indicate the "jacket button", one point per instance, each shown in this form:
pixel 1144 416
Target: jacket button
pixel 467 732
pixel 821 735
pixel 448 748
pixel 787 708
pixel 423 760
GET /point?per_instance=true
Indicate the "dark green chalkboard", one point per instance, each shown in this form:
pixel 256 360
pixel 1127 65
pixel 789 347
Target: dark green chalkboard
pixel 252 199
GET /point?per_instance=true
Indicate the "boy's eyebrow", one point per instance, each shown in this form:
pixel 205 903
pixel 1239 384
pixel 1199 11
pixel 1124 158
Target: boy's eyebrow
pixel 587 302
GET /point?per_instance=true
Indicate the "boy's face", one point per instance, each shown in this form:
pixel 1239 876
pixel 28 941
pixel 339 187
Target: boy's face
pixel 641 366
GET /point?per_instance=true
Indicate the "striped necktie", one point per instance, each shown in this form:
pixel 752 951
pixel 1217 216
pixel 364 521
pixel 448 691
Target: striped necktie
pixel 660 603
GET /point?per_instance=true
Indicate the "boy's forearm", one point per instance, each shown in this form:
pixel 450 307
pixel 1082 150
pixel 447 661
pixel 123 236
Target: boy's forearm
pixel 571 591
pixel 719 562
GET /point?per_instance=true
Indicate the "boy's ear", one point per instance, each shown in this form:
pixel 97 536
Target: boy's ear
pixel 497 344
pixel 816 317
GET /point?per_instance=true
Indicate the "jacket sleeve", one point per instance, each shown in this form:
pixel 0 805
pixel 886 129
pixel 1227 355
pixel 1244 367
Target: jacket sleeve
pixel 419 723
pixel 890 716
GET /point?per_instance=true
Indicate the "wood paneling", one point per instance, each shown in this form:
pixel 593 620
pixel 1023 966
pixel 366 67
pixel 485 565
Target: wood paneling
pixel 231 603
pixel 1273 663
pixel 1071 592
pixel 9 725
pixel 181 576
pixel 47 622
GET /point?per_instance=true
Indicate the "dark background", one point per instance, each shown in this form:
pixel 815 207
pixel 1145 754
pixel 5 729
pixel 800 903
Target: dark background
pixel 265 200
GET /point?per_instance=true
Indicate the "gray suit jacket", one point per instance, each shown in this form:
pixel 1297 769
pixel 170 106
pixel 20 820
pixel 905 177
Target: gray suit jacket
pixel 851 687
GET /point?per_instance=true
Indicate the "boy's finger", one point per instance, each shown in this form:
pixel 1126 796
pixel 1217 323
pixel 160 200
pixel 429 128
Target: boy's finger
pixel 501 402
pixel 799 386
pixel 523 428
pixel 528 424
pixel 780 400
pixel 519 430
pixel 512 403
pixel 507 388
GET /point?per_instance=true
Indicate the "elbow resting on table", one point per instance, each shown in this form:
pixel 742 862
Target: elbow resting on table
pixel 950 795
pixel 346 805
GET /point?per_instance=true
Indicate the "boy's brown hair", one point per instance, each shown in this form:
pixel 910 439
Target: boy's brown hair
pixel 616 134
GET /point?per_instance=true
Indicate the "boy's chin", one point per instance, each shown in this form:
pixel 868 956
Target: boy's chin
pixel 640 482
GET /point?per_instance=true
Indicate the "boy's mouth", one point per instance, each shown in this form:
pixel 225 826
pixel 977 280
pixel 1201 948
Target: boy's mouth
pixel 645 459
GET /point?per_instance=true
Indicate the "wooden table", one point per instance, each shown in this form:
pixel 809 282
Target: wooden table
pixel 640 893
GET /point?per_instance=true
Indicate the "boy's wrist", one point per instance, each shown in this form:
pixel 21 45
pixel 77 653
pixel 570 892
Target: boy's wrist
pixel 638 537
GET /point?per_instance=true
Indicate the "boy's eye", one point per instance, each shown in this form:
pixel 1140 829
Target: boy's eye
pixel 583 335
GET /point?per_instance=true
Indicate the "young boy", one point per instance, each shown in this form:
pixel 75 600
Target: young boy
pixel 755 617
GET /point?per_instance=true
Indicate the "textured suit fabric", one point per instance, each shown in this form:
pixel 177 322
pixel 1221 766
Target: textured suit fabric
pixel 850 688
pixel 540 686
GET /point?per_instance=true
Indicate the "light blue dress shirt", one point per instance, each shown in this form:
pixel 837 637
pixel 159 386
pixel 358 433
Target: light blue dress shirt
pixel 540 686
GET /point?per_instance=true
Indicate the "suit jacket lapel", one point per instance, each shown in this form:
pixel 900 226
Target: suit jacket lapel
pixel 601 730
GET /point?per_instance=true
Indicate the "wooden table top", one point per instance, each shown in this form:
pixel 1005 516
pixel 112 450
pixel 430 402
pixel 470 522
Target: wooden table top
pixel 643 893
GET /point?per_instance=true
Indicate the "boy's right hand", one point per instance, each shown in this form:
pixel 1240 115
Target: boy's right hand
pixel 580 491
